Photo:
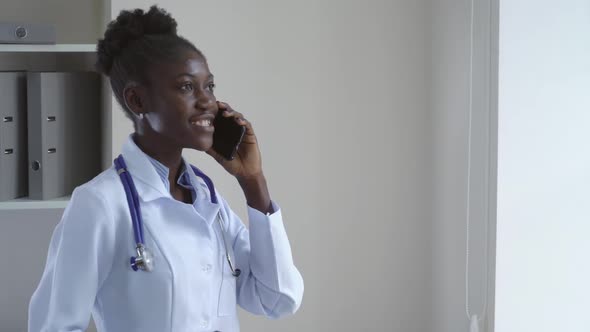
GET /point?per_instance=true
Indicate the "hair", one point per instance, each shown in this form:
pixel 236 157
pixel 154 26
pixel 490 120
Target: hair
pixel 133 42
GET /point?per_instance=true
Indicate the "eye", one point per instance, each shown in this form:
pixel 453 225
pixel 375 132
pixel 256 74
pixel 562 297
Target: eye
pixel 187 87
pixel 211 86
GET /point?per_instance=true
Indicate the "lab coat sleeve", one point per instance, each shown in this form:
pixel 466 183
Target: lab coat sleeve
pixel 270 284
pixel 79 259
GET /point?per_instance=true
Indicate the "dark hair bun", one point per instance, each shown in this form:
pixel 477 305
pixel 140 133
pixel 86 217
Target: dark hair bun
pixel 130 26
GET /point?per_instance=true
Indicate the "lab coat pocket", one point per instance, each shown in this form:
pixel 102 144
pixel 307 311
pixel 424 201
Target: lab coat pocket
pixel 227 293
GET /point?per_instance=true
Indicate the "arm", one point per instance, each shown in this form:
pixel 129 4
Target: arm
pixel 269 284
pixel 78 261
pixel 256 192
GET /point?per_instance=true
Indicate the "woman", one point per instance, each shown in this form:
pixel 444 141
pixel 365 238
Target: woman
pixel 197 244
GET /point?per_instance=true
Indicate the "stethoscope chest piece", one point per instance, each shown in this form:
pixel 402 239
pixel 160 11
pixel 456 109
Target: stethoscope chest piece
pixel 143 261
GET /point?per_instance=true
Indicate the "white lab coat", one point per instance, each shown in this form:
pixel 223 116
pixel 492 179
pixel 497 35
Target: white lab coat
pixel 191 287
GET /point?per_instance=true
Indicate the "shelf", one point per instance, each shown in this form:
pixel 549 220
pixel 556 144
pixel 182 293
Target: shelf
pixel 55 48
pixel 28 204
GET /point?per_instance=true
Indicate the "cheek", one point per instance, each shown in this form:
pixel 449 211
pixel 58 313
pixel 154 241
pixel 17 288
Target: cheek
pixel 168 117
pixel 157 122
pixel 168 124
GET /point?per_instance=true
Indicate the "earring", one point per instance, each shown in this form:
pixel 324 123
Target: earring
pixel 141 116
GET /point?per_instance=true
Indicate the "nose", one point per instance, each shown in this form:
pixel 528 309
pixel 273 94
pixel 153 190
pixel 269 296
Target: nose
pixel 205 99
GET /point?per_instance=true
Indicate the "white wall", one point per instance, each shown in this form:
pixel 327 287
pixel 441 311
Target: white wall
pixel 375 166
pixel 338 94
pixel 543 167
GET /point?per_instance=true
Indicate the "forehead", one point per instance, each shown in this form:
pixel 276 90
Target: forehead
pixel 190 63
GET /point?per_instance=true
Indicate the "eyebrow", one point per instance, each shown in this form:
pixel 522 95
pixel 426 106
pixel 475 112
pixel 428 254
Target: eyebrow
pixel 209 77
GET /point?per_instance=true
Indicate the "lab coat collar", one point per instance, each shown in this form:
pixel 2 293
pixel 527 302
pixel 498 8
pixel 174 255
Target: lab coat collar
pixel 150 187
pixel 147 181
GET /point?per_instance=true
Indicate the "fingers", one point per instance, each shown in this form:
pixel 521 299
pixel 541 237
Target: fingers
pixel 228 111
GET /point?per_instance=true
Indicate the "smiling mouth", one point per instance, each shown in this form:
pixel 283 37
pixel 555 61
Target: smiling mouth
pixel 202 123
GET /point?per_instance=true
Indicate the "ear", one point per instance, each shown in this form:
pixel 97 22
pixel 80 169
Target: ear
pixel 133 98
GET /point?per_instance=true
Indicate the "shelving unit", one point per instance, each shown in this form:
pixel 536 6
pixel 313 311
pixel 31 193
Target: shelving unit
pixel 57 57
pixel 23 221
pixel 78 25
pixel 62 57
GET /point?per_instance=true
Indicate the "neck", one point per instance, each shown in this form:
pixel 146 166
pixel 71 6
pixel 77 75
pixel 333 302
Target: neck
pixel 167 154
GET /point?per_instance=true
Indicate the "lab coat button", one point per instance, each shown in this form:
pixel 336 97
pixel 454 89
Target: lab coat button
pixel 207 267
pixel 204 323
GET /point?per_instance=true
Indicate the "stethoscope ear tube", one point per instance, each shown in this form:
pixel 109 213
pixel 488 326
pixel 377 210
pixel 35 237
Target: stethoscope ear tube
pixel 122 171
pixel 235 272
pixel 139 261
pixel 135 197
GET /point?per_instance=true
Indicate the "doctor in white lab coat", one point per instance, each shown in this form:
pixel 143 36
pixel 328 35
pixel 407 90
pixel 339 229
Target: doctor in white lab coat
pixel 165 87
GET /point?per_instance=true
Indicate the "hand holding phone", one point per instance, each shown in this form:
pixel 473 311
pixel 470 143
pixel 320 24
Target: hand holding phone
pixel 227 136
pixel 234 133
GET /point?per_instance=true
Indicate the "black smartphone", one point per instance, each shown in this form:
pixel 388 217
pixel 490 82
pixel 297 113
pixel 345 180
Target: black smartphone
pixel 227 136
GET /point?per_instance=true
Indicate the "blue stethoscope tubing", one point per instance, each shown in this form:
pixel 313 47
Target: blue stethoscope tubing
pixel 144 259
pixel 132 198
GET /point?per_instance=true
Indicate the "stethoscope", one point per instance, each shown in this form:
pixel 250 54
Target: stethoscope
pixel 144 259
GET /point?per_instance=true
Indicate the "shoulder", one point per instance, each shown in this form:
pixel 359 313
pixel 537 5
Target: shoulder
pixel 90 220
pixel 103 181
pixel 104 185
pixel 100 194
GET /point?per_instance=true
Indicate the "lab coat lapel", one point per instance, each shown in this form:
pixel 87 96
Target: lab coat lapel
pixel 147 181
pixel 207 210
pixel 203 205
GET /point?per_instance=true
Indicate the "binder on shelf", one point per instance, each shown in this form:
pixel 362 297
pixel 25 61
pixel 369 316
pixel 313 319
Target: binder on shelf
pixel 64 131
pixel 13 135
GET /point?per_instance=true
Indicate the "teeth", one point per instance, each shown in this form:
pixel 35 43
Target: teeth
pixel 202 123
